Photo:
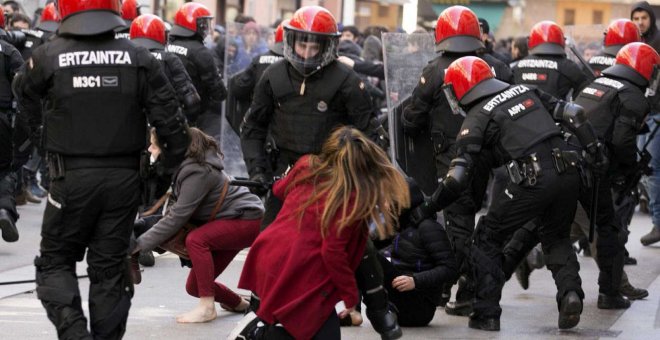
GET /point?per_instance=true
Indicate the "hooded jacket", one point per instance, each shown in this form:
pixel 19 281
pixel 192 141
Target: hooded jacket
pixel 651 36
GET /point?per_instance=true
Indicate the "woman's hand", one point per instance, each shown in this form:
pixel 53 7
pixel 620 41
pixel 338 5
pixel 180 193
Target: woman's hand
pixel 403 283
pixel 346 312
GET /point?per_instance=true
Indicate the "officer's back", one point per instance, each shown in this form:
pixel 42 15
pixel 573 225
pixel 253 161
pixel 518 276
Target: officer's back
pixel 547 67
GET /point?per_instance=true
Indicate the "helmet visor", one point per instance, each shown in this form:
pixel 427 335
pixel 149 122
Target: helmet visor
pixel 309 52
pixel 205 26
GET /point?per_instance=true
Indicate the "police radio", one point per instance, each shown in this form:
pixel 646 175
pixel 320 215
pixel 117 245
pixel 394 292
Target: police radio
pixel 456 109
pixel 653 84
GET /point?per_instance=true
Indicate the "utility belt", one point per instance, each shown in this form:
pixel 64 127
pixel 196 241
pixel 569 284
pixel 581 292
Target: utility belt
pixel 59 164
pixel 530 168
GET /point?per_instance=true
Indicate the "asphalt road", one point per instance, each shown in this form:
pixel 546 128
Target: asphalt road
pixel 161 296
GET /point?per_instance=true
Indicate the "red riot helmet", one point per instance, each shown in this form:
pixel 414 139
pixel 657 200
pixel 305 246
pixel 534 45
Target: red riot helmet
pixel 546 38
pixel 130 9
pixel 50 19
pixel 313 32
pixel 457 30
pixel 89 17
pixel 619 33
pixel 278 42
pixel 471 78
pixel 636 62
pixel 148 30
pixel 192 18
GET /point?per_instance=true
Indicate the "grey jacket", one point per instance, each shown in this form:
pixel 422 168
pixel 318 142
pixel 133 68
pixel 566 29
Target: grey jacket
pixel 197 188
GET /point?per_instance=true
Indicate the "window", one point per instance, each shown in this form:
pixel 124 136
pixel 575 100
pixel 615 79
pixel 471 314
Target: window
pixel 383 11
pixel 597 17
pixel 569 17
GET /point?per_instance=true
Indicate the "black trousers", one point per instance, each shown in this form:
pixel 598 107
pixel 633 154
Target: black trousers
pixel 612 237
pixel 416 307
pixel 552 201
pixel 89 210
pixel 459 217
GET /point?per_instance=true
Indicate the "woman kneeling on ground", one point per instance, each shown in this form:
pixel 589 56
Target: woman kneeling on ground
pixel 304 263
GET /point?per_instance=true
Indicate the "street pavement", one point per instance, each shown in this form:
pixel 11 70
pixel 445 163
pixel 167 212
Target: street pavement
pixel 161 296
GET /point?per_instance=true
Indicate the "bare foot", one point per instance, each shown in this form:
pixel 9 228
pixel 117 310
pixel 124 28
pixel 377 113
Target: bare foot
pixel 199 314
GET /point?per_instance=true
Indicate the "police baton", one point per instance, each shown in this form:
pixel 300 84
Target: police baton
pixel 592 74
pixel 594 206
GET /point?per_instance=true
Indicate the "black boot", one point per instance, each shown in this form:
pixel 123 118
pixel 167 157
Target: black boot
pixel 612 301
pixel 463 304
pixel 9 231
pixel 147 258
pixel 485 324
pixel 384 321
pixel 632 292
pixel 446 295
pixel 570 309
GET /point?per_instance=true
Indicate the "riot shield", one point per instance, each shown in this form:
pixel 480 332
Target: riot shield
pixel 405 56
pixel 242 44
pixel 583 42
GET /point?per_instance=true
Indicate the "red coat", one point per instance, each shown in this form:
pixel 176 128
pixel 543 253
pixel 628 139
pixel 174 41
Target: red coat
pixel 299 275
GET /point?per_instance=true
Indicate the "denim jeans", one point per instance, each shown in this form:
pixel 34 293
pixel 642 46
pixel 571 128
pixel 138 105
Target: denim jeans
pixel 653 185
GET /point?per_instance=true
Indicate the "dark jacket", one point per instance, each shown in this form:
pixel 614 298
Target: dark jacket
pixel 651 36
pixel 425 253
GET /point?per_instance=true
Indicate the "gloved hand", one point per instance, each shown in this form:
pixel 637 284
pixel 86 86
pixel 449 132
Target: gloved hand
pixel 422 212
pixel 597 159
pixel 260 176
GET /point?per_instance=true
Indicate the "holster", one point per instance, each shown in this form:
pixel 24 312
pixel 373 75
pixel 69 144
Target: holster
pixel 56 170
pixel 526 168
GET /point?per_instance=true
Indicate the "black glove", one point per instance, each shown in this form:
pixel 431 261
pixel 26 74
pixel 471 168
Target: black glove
pixel 422 212
pixel 597 159
pixel 260 176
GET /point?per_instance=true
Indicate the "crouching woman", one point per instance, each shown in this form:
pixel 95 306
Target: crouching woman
pixel 199 184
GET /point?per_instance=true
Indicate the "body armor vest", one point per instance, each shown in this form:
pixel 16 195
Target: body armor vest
pixel 519 115
pixel 302 123
pixel 94 106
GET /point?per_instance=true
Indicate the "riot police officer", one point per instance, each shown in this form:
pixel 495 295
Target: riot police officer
pixel 619 33
pixel 130 9
pixel 192 24
pixel 299 101
pixel 546 66
pixel 513 125
pixel 10 62
pixel 36 37
pixel 457 34
pixel 148 31
pixel 616 106
pixel 94 129
pixel 241 86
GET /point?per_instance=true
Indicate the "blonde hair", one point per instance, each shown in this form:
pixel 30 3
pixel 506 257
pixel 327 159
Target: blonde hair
pixel 352 165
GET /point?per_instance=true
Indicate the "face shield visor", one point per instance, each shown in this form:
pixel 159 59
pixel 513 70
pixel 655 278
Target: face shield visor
pixel 454 105
pixel 205 27
pixel 308 52
pixel 654 82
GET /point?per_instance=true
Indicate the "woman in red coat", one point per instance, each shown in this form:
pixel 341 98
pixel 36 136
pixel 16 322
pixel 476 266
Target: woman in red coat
pixel 305 262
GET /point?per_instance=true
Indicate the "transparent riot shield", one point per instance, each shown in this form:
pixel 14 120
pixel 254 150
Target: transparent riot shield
pixel 584 42
pixel 242 44
pixel 405 56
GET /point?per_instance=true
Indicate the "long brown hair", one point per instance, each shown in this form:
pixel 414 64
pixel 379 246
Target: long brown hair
pixel 199 144
pixel 351 165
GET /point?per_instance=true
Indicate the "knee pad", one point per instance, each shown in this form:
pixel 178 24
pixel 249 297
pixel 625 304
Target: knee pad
pixel 56 280
pixel 558 254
